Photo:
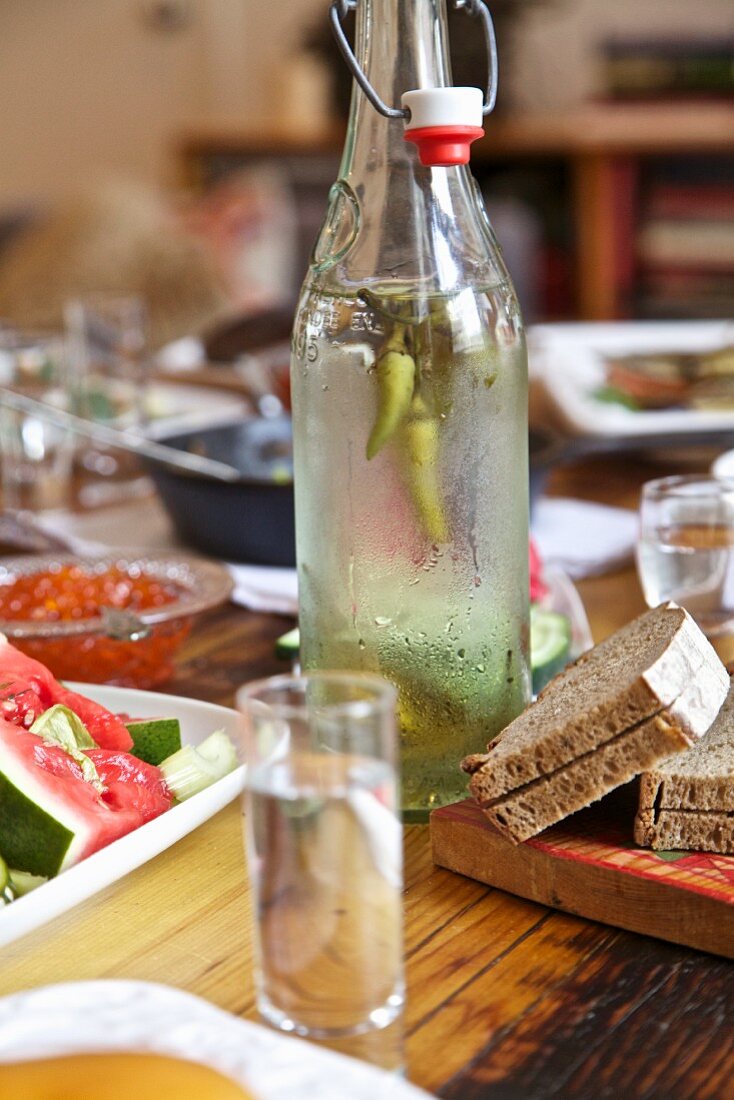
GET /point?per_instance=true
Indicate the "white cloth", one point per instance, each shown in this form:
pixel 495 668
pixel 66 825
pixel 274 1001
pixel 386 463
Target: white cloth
pixel 582 538
pixel 265 588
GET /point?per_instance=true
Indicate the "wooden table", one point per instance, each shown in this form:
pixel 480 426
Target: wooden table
pixel 507 999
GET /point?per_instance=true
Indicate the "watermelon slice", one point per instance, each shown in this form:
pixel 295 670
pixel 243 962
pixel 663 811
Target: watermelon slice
pixel 20 702
pixel 131 785
pixel 20 674
pixel 51 817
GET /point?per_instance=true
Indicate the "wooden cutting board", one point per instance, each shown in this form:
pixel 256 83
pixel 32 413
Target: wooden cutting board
pixel 590 866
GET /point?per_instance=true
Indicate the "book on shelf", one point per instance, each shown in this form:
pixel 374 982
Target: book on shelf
pixel 670 66
pixel 695 242
pixel 685 292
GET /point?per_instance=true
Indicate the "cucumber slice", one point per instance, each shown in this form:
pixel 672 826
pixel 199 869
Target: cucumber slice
pixel 550 645
pixel 22 882
pixel 287 645
pixel 191 770
pixel 155 739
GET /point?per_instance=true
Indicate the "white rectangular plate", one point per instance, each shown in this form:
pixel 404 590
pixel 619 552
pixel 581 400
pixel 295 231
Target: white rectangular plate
pixel 197 720
pixel 569 359
pixel 87 1017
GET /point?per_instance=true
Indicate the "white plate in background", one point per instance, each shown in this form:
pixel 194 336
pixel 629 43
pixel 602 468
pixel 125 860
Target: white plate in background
pixel 724 465
pixel 569 360
pixel 198 720
pixel 172 407
pixel 88 1017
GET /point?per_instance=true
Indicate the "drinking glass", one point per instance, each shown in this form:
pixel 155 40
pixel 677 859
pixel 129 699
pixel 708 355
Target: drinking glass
pixel 36 455
pixel 324 844
pixel 685 551
pixel 107 346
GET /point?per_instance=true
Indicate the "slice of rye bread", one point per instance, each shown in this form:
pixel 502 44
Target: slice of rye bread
pixel 701 778
pixel 686 831
pixel 688 801
pixel 632 675
pixel 545 801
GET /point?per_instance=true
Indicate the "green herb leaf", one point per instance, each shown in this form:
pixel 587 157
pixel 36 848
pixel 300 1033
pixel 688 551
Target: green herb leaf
pixel 613 396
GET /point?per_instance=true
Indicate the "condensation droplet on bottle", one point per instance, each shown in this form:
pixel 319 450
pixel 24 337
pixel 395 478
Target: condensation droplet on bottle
pixel 361 643
pixel 382 620
pixel 461 653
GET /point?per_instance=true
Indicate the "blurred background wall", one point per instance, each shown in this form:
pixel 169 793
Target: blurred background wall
pixel 190 94
pixel 107 83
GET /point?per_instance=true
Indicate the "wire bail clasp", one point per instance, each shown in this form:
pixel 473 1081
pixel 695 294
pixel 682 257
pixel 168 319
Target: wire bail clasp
pixel 339 10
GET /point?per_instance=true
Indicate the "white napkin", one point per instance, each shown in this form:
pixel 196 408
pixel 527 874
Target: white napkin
pixel 265 588
pixel 582 538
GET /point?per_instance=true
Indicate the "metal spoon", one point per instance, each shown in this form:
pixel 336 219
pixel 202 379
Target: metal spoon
pixel 126 441
pixel 123 626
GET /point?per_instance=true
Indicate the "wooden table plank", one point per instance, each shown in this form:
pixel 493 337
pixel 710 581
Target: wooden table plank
pixel 616 1025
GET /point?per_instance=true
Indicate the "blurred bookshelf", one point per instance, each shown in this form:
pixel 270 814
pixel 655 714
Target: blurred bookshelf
pixel 634 200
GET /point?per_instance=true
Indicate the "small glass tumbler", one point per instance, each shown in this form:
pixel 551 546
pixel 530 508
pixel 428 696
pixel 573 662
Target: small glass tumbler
pixel 685 551
pixel 36 455
pixel 107 347
pixel 324 844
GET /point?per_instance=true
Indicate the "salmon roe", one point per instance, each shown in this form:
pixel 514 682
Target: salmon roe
pixel 69 592
pixel 65 593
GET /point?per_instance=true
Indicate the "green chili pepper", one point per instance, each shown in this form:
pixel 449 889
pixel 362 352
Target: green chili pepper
pixel 421 444
pixel 395 380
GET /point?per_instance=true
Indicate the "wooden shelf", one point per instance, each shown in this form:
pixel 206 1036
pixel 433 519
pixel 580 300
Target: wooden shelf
pixel 639 129
pixel 602 144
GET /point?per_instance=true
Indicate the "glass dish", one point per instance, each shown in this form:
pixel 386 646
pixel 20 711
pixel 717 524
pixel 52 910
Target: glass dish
pixel 120 645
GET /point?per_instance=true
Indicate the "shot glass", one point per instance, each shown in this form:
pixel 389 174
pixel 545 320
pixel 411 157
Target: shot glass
pixel 685 551
pixel 109 376
pixel 37 456
pixel 324 844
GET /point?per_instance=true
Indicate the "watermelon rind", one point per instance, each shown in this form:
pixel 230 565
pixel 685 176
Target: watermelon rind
pixel 41 831
pixel 30 838
pixel 155 739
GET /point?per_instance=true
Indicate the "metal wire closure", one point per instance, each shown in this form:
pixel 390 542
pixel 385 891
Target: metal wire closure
pixel 478 7
pixel 340 9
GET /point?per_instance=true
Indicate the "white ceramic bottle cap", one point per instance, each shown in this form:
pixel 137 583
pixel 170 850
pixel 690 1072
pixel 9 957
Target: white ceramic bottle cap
pixel 443 107
pixel 443 123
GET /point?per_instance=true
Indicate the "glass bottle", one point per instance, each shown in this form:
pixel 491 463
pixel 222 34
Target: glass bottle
pixel 409 390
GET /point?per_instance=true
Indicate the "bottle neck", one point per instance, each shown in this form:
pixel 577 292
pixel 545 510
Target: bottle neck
pixel 400 45
pixel 392 222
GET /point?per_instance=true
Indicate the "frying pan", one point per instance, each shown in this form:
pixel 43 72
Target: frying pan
pixel 249 519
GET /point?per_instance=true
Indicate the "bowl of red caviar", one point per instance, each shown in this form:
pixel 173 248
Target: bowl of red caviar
pixel 107 619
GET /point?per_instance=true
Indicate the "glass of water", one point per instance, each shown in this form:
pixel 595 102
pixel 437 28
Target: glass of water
pixel 324 844
pixel 685 551
pixel 36 455
pixel 107 348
